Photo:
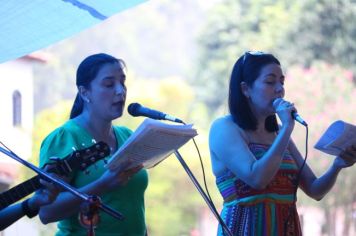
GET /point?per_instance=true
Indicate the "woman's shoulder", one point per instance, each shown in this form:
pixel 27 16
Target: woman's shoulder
pixel 225 122
pixel 62 132
pixel 226 126
pixel 59 142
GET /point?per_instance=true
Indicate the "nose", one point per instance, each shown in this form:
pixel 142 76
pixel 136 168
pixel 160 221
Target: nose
pixel 279 88
pixel 120 89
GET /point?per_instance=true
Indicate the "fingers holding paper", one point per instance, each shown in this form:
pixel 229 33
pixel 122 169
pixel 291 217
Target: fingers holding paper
pixel 126 175
pixel 347 157
pixel 119 177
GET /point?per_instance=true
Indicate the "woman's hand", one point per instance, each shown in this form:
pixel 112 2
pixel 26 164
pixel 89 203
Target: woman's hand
pixel 114 178
pixel 346 158
pixel 44 196
pixel 284 110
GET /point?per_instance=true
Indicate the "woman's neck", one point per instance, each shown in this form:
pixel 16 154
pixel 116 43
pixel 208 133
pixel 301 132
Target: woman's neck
pixel 261 134
pixel 99 129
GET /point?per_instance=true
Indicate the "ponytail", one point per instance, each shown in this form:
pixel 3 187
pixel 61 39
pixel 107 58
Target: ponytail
pixel 77 107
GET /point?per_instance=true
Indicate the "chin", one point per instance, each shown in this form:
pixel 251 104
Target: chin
pixel 117 115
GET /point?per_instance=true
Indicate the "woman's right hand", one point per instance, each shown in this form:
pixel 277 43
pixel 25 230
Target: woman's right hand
pixel 284 110
pixel 347 157
pixel 114 178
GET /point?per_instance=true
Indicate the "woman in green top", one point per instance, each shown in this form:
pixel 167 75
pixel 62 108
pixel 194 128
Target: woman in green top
pixel 100 99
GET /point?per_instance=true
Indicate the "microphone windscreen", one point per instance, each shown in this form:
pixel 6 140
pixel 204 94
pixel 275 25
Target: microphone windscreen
pixel 276 102
pixel 133 109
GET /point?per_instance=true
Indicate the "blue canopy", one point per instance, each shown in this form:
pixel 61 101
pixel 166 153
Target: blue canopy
pixel 29 25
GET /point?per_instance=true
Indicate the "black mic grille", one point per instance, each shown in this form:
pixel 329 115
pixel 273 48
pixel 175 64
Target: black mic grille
pixel 132 109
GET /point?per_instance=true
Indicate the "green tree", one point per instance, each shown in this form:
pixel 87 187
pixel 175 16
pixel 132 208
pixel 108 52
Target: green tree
pixel 325 30
pixel 232 28
pixel 298 32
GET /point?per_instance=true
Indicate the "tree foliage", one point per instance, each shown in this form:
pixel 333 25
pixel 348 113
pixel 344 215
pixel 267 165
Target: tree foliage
pixel 298 32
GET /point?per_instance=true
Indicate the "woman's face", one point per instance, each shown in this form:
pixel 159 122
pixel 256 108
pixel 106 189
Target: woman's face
pixel 267 87
pixel 107 93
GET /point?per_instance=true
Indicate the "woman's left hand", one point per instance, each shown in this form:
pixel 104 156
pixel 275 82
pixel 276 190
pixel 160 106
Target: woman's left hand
pixel 45 195
pixel 346 158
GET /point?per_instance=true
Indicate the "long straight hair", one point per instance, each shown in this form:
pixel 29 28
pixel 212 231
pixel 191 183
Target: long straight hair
pixel 247 69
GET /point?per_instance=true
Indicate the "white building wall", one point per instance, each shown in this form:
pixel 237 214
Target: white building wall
pixel 16 75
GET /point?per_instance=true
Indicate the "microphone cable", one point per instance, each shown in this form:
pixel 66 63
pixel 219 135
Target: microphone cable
pixel 225 229
pixel 296 182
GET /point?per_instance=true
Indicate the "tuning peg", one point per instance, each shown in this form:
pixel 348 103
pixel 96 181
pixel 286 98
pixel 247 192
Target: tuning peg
pixel 93 159
pixel 93 141
pixel 74 149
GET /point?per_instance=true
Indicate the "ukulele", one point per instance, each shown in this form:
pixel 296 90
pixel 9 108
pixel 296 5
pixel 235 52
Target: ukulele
pixel 77 160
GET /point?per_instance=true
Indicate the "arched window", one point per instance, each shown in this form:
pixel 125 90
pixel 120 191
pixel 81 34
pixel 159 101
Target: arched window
pixel 16 108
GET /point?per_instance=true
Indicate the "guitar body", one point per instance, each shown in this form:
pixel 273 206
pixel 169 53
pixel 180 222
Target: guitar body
pixel 77 160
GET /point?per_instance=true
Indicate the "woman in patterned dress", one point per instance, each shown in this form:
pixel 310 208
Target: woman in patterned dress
pixel 255 161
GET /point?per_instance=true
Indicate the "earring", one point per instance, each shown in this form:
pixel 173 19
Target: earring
pixel 87 100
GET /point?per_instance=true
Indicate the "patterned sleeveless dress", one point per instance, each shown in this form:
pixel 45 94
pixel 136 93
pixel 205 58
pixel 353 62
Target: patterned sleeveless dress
pixel 270 211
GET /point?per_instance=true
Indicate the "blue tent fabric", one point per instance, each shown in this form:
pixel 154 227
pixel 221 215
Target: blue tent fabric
pixel 29 25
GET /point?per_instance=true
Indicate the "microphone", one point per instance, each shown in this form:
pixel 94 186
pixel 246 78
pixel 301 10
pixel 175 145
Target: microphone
pixel 294 114
pixel 135 109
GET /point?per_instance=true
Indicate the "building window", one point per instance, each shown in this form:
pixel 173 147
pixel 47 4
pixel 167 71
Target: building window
pixel 16 108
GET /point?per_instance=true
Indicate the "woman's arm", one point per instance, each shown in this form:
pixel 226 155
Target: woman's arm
pixel 29 207
pixel 10 215
pixel 315 187
pixel 229 150
pixel 108 181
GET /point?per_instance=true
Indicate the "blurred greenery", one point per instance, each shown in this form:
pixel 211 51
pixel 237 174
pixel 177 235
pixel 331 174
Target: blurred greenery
pixel 180 55
pixel 297 32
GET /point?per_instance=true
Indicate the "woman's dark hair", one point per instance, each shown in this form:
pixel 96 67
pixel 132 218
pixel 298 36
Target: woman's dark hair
pixel 247 69
pixel 86 72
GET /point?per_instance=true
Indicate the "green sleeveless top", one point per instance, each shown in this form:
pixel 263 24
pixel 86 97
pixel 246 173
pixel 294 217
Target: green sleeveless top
pixel 128 199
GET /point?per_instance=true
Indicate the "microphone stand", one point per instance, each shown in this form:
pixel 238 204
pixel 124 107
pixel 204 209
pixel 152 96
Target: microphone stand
pixel 93 201
pixel 203 194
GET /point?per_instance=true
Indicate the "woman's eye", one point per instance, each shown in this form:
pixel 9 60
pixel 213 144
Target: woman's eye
pixel 109 85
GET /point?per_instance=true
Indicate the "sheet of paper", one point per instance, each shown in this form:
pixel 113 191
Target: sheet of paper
pixel 152 142
pixel 337 137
